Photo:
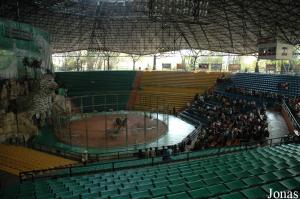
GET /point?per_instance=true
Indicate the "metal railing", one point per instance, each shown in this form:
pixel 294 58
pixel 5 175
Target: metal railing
pixel 126 164
pixel 290 115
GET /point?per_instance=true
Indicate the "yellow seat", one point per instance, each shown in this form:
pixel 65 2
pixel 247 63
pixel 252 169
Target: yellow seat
pixel 173 89
pixel 16 159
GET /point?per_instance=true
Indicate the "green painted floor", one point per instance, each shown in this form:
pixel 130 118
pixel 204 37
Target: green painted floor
pixel 177 131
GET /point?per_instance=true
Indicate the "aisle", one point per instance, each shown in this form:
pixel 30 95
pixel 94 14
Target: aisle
pixel 276 124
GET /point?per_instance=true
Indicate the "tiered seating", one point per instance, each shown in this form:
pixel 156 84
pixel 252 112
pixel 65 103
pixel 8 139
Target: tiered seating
pixel 193 116
pixel 99 83
pixel 248 174
pixel 268 83
pixel 174 88
pixel 16 159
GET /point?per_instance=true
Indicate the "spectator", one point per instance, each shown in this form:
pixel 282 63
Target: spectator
pixel 151 153
pixel 164 153
pixel 227 121
pixel 84 157
pixel 167 154
pixel 140 154
pixel 146 153
pixel 174 111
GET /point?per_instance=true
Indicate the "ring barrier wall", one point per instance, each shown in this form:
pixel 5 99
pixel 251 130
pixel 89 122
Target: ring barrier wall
pixel 105 122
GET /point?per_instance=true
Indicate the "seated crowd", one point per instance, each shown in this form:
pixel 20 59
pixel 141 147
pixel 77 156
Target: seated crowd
pixel 258 94
pixel 228 122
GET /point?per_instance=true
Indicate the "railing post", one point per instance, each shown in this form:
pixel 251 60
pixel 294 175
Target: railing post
pixel 20 178
pixel 271 142
pixel 113 166
pixel 152 161
pixel 188 156
pixel 118 155
pixel 32 177
pixel 70 171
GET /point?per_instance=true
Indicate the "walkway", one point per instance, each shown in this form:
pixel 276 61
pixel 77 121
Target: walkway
pixel 276 124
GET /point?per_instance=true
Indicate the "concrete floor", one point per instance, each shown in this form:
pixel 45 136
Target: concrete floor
pixel 179 129
pixel 276 125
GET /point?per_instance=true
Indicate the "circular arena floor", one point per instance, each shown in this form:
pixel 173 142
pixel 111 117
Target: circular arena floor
pixel 100 131
pixel 175 132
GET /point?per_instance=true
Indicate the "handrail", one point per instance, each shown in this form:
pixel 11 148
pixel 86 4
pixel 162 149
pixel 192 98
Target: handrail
pixel 93 94
pixel 38 174
pixel 290 114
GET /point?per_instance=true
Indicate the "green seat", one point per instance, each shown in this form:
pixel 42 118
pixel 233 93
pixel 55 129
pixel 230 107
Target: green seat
pixel 62 194
pixel 196 184
pixel 162 183
pixel 281 165
pixel 208 175
pixel 96 189
pixel 178 188
pixel 212 181
pixel 123 196
pixel 269 168
pixel 242 174
pixel 295 171
pixel 236 195
pixel 111 192
pixel 256 171
pixel 144 187
pixel 235 185
pixel 248 167
pixel 276 186
pixel 252 181
pixel 127 190
pixel 222 172
pixel 282 174
pixel 192 178
pixel 27 196
pixel 79 191
pixel 268 177
pixel 297 178
pixel 141 194
pixel 147 181
pixel 218 189
pixel 161 197
pixel 291 184
pixel 44 196
pixel 159 191
pixel 255 193
pixel 199 193
pixel 235 169
pixel 177 181
pixel 182 195
pixel 228 178
pixel 71 197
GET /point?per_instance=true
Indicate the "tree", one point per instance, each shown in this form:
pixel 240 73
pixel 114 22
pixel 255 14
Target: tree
pixel 111 59
pixel 134 58
pixel 194 54
pixel 71 63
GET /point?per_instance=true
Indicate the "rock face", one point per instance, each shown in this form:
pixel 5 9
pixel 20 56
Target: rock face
pixel 39 101
pixel 19 125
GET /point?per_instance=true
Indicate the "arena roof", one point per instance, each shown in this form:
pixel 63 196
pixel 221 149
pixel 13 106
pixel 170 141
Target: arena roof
pixel 151 26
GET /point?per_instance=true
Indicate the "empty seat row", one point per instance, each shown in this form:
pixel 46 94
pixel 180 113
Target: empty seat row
pixel 249 174
pixel 16 159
